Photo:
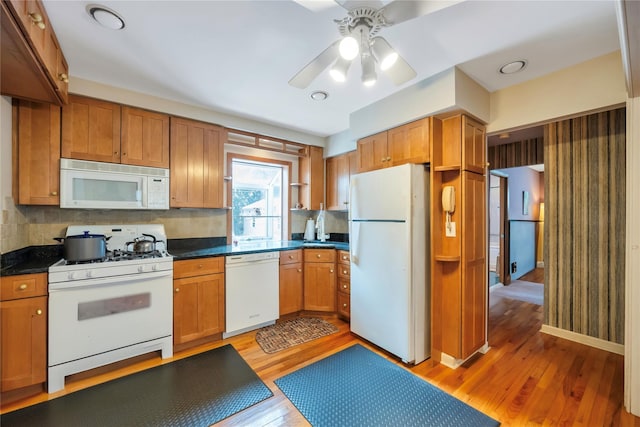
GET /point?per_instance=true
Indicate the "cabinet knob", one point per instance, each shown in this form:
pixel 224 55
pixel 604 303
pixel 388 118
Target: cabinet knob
pixel 54 193
pixel 37 19
pixel 290 256
pixel 115 153
pixel 39 312
pixel 124 154
pixel 299 270
pixel 344 257
pixel 199 265
pixel 331 271
pixel 22 287
pixel 344 286
pixel 344 305
pixel 388 159
pixel 317 255
pixel 177 290
pixel 344 272
pixel 63 77
pixel 384 159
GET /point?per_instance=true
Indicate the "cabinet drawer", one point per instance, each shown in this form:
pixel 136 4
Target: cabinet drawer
pixel 343 257
pixel 319 255
pixel 23 286
pixel 197 267
pixel 344 271
pixel 344 285
pixel 291 257
pixel 344 304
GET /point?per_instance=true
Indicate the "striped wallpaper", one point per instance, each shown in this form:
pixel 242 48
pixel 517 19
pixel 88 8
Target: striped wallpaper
pixel 584 235
pixel 521 153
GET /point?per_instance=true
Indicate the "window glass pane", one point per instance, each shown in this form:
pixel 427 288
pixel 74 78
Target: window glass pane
pixel 257 201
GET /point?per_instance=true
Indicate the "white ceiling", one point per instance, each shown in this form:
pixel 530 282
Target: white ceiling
pixel 237 56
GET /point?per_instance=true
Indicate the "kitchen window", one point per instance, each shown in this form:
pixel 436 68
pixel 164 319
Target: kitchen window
pixel 259 197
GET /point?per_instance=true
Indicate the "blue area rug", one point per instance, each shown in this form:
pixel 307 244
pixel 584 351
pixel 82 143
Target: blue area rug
pixel 357 387
pixel 196 391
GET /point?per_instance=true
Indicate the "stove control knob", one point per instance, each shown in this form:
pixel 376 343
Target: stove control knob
pixel 88 273
pixel 141 269
pixel 154 267
pixel 71 275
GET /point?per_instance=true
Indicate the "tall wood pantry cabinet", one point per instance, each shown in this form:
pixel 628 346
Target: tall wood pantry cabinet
pixel 458 275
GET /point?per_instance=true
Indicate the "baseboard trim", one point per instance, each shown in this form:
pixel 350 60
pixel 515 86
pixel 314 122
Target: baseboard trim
pixel 453 363
pixel 540 264
pixel 583 339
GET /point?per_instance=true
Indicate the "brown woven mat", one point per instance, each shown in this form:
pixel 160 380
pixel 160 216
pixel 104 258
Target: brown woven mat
pixel 292 332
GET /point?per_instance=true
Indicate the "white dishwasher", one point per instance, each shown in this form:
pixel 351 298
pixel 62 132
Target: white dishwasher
pixel 251 292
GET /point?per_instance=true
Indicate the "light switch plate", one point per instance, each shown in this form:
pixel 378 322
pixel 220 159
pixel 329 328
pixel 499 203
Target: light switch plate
pixel 450 229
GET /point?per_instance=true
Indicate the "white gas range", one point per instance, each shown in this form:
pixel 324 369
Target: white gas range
pixel 110 309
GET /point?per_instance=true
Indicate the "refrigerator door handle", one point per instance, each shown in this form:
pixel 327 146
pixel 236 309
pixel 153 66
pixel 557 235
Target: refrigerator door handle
pixel 353 202
pixel 355 242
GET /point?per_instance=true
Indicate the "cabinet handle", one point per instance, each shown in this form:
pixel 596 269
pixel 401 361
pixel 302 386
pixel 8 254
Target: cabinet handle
pixel 388 159
pixel 37 19
pixel 39 312
pixel 22 287
pixel 54 193
pixel 384 159
pixel 346 203
pixel 177 289
pixel 63 77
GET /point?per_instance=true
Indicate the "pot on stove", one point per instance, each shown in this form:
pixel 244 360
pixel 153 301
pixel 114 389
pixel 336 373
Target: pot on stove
pixel 84 247
pixel 142 245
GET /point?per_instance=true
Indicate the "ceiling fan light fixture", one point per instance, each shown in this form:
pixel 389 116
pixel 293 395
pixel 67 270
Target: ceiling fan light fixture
pixel 106 17
pixel 385 54
pixel 349 48
pixel 369 75
pixel 339 69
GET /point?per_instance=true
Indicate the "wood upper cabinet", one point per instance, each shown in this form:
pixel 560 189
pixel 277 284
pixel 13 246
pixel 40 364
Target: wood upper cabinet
pixel 197 151
pixel 198 304
pixel 38 153
pixel 338 171
pixel 291 282
pixel 91 130
pixel 474 152
pixel 470 153
pixel 320 279
pixel 144 138
pixel 33 66
pixel 23 330
pixel 311 175
pixel 409 143
pixel 372 152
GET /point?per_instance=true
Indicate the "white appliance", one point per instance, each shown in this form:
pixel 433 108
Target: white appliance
pixel 109 310
pixel 251 292
pixel 389 235
pixel 98 185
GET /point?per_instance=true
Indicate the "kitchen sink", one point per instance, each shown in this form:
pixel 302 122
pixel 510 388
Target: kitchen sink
pixel 318 245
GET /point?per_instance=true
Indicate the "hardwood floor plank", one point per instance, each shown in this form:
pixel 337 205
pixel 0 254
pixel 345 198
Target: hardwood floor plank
pixel 526 378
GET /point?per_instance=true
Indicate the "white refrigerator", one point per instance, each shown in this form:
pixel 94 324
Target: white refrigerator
pixel 389 246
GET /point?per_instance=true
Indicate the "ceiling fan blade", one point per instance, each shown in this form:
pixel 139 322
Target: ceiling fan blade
pixel 313 69
pixel 352 4
pixel 404 10
pixel 401 72
pixel 316 5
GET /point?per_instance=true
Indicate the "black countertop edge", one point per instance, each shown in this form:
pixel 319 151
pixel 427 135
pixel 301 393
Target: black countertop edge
pixel 37 259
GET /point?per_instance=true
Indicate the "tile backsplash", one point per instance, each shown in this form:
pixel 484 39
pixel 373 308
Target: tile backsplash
pixel 37 225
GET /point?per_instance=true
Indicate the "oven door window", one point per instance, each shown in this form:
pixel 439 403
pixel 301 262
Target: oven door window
pixel 111 306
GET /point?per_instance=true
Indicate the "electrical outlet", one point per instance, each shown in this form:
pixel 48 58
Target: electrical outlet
pixel 450 229
pixel 514 267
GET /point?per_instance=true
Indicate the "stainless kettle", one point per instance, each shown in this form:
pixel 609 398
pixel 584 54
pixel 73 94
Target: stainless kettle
pixel 142 245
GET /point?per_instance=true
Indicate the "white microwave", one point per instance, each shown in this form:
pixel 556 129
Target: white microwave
pixel 98 185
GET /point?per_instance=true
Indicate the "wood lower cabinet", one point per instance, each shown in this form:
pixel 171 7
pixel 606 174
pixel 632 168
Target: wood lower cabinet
pixel 37 153
pixel 197 151
pixel 291 282
pixel 198 299
pixel 23 330
pixel 344 285
pixel 320 279
pixel 91 130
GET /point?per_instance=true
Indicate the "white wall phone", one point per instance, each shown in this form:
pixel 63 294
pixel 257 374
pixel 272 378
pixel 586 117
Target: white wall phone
pixel 449 205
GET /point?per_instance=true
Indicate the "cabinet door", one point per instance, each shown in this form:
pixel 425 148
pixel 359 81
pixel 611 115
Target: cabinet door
pixel 23 331
pixel 319 286
pixel 338 183
pixel 38 153
pixel 290 288
pixel 145 138
pixel 372 152
pixel 196 164
pixel 34 21
pixel 91 130
pixel 474 148
pixel 311 173
pixel 409 143
pixel 474 286
pixel 198 307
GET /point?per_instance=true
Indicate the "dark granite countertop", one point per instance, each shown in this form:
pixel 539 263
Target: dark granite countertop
pixel 37 259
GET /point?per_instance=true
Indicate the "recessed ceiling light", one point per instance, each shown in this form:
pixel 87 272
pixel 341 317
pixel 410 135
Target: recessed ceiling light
pixel 513 67
pixel 105 17
pixel 319 95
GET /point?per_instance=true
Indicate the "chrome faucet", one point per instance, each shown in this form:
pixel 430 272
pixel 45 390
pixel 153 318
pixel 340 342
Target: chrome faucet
pixel 322 236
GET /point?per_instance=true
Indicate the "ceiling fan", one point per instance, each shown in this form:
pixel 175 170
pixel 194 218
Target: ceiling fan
pixel 360 39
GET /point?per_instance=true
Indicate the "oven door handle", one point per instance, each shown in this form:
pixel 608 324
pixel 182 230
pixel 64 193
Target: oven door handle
pixel 109 281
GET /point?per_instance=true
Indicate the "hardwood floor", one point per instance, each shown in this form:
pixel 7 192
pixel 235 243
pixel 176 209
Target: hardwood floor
pixel 526 378
pixel 536 275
